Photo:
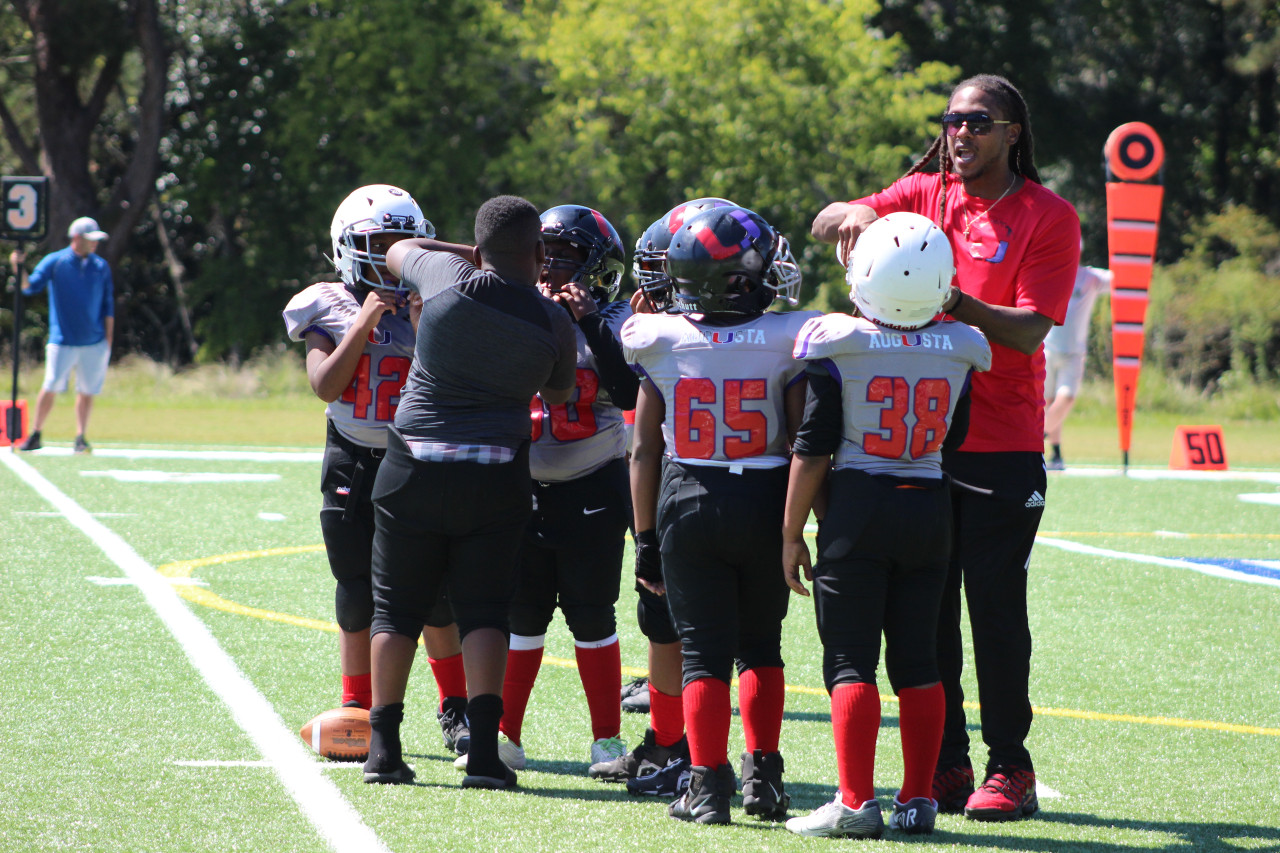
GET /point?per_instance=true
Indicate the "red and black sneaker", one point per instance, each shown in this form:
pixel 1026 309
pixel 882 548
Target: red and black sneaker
pixel 952 788
pixel 1008 794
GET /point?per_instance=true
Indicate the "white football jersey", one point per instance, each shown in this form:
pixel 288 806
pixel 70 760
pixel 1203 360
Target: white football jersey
pixel 899 389
pixel 724 386
pixel 572 439
pixel 1073 335
pixel 363 411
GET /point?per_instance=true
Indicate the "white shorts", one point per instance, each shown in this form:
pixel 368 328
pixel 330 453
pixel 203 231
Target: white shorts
pixel 90 364
pixel 1063 374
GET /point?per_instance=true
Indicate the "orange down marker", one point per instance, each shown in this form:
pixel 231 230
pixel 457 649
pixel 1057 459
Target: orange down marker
pixel 1134 156
pixel 1198 448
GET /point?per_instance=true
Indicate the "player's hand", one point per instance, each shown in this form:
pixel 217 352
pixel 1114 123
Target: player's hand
pixel 376 303
pixel 15 260
pixel 855 222
pixel 649 562
pixel 576 299
pixel 795 557
pixel 640 303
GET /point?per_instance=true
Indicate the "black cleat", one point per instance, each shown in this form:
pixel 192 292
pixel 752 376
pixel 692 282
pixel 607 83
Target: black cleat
pixel 646 758
pixel 762 791
pixel 452 717
pixel 708 796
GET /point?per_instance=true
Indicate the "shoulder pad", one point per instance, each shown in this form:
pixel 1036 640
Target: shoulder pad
pixel 329 306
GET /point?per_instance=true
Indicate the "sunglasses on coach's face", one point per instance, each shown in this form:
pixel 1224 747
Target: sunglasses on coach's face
pixel 979 124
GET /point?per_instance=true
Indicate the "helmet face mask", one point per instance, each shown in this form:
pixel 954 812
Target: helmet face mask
pixel 365 225
pixel 900 271
pixel 722 261
pixel 582 243
pixel 648 264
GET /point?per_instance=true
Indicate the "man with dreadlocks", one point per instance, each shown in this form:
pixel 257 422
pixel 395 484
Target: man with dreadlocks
pixel 1016 246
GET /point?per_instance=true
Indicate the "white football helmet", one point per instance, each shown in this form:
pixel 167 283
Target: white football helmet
pixel 375 209
pixel 900 271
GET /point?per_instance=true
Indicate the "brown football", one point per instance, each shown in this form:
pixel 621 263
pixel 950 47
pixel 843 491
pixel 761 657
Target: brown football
pixel 341 734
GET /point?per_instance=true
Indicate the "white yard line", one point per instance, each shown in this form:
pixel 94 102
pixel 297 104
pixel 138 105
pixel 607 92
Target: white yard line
pixel 310 456
pixel 1170 562
pixel 1257 476
pixel 317 797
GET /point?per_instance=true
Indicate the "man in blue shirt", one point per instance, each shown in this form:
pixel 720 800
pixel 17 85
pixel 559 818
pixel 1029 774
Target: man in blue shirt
pixel 81 323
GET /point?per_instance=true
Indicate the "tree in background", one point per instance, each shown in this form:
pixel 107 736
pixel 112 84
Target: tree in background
pixel 97 71
pixel 213 138
pixel 1201 72
pixel 287 108
pixel 780 105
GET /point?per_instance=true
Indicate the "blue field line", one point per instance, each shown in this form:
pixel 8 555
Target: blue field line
pixel 1248 571
pixel 1260 568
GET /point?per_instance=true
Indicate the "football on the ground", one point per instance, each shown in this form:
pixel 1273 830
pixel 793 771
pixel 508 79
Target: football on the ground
pixel 341 734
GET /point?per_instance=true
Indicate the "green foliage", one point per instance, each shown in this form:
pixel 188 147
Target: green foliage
pixel 292 107
pixel 780 105
pixel 1214 316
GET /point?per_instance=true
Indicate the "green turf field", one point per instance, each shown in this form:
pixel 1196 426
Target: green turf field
pixel 167 630
pixel 1156 684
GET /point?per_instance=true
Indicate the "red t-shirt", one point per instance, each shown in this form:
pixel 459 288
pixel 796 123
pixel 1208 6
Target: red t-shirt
pixel 1023 253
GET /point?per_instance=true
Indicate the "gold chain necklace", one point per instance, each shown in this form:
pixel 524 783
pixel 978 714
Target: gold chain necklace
pixel 970 222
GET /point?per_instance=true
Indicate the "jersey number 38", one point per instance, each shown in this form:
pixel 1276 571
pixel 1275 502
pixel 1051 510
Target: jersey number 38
pixel 929 401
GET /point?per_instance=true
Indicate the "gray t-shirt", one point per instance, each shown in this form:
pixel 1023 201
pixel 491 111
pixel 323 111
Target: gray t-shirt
pixel 484 348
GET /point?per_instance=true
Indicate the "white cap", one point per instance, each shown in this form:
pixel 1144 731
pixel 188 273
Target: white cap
pixel 86 227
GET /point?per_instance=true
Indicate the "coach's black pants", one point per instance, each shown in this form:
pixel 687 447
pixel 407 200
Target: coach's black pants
pixel 991 554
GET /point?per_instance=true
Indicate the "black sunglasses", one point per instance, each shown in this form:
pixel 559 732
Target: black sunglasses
pixel 979 124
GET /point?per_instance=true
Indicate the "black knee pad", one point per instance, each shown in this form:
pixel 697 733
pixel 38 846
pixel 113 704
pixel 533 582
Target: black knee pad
pixel 483 617
pixel 903 676
pixel 349 545
pixel 353 604
pixel 530 618
pixel 697 667
pixel 654 617
pixel 838 668
pixel 441 615
pixel 587 623
pixel 759 650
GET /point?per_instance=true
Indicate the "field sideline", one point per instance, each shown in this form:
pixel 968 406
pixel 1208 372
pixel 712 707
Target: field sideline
pixel 169 628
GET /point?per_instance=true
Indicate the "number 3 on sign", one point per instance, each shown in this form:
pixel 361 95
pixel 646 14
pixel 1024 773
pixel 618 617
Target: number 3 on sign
pixel 1199 448
pixel 24 209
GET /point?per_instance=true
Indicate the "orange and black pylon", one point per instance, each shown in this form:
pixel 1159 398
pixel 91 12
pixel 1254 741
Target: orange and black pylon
pixel 1134 157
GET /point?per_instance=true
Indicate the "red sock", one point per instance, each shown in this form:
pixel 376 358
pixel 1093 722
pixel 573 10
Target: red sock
pixel 760 697
pixel 855 715
pixel 600 668
pixel 666 716
pixel 707 713
pixel 522 671
pixel 921 713
pixel 359 688
pixel 451 678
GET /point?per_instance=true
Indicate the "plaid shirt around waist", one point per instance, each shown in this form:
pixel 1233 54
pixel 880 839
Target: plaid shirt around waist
pixel 444 451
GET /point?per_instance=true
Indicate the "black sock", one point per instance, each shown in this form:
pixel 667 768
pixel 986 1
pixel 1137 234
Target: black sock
pixel 484 712
pixel 1057 451
pixel 384 737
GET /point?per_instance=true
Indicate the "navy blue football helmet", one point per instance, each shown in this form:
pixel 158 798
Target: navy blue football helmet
pixel 729 260
pixel 600 273
pixel 648 262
